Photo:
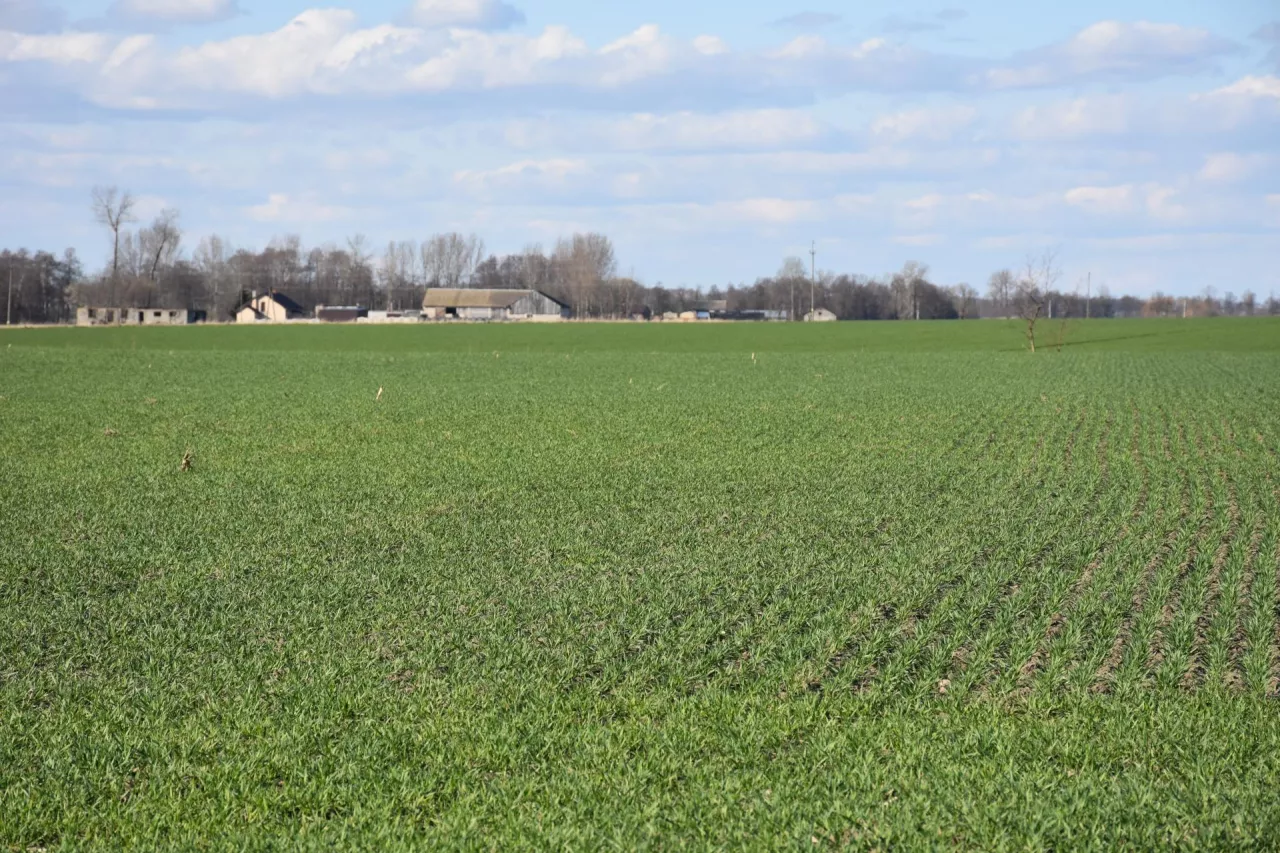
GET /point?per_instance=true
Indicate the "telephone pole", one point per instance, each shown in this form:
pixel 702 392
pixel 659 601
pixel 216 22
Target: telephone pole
pixel 1088 295
pixel 813 275
pixel 8 302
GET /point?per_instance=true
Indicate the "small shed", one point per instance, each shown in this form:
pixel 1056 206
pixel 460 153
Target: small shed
pixel 821 315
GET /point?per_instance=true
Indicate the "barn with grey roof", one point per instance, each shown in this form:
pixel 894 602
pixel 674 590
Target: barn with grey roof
pixel 445 303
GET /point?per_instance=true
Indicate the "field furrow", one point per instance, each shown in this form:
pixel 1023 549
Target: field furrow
pixel 1194 673
pixel 1104 677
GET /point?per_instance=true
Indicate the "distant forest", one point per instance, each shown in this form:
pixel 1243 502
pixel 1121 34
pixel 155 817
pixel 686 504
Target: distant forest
pixel 151 267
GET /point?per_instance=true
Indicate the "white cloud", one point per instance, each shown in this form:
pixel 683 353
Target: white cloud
pixel 801 47
pixel 688 130
pixel 728 215
pixel 472 61
pixel 447 50
pixel 710 45
pixel 770 210
pixel 1252 87
pixel 1162 204
pixel 1102 200
pixel 680 131
pixel 146 207
pixel 285 208
pixel 933 125
pixel 1114 50
pixel 60 49
pixel 317 52
pixel 1089 116
pixel 878 159
pixel 1230 167
pixel 176 11
pixel 645 53
pixel 541 176
pixel 472 14
pixel 1248 101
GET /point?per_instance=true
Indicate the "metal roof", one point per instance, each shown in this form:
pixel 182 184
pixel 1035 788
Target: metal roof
pixel 449 297
pixel 285 302
pixel 280 299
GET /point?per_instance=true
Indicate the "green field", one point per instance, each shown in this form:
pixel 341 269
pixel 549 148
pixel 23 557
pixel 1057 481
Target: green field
pixel 854 586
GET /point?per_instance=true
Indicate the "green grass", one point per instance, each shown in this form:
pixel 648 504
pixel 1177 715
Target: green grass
pixel 614 586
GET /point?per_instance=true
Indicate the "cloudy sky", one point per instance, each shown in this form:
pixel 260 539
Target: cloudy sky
pixel 708 139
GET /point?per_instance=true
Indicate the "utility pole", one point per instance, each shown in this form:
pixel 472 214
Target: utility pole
pixel 8 302
pixel 813 275
pixel 1088 295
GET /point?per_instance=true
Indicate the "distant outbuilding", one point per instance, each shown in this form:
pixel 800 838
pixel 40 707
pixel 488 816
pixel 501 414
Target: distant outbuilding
pixel 95 316
pixel 821 315
pixel 446 303
pixel 340 313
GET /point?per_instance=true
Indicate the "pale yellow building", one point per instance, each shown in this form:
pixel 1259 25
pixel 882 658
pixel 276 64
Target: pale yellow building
pixel 269 308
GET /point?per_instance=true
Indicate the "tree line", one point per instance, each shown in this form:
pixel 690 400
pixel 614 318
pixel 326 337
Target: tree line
pixel 151 267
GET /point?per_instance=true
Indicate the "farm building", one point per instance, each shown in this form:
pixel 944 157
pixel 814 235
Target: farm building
pixel 392 316
pixel 340 313
pixel 442 303
pixel 269 308
pixel 821 315
pixel 760 315
pixel 95 316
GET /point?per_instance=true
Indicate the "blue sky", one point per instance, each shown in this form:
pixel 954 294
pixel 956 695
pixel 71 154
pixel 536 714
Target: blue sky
pixel 709 140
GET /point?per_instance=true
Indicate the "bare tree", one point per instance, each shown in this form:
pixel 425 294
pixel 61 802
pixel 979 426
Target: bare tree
pixel 160 242
pixel 399 271
pixel 1039 275
pixel 905 286
pixel 792 272
pixel 449 260
pixel 1000 289
pixel 965 297
pixel 583 263
pixel 211 260
pixel 360 280
pixel 533 268
pixel 112 208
